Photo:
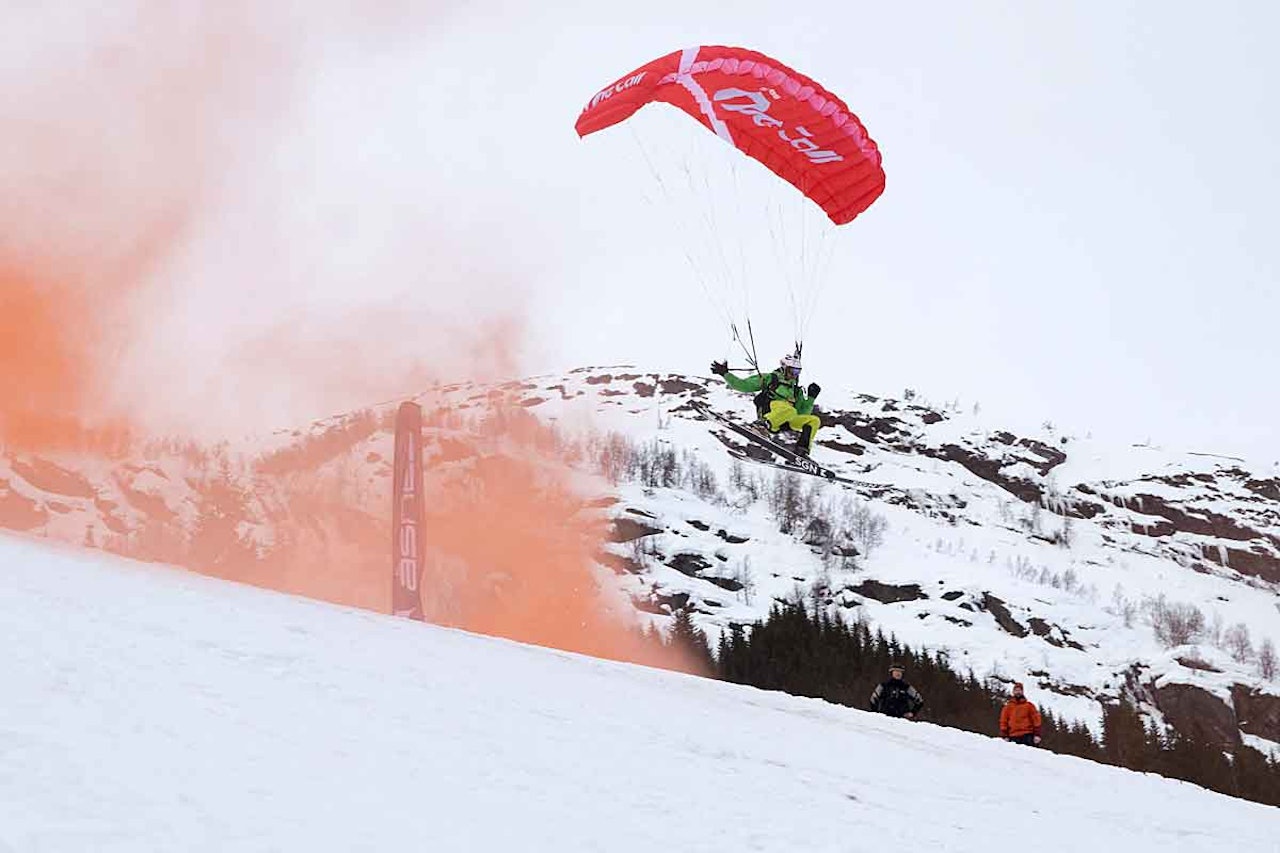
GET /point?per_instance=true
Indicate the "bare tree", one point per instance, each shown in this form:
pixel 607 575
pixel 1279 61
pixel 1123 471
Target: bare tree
pixel 1267 659
pixel 786 501
pixel 864 527
pixel 1238 642
pixel 744 576
pixel 1175 624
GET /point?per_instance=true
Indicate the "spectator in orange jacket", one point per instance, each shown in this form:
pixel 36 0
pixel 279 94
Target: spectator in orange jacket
pixel 1019 719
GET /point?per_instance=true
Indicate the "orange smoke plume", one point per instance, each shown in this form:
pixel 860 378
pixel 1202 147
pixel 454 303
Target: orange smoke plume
pixel 146 253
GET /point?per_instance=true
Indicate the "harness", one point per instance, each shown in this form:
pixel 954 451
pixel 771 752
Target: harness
pixel 775 388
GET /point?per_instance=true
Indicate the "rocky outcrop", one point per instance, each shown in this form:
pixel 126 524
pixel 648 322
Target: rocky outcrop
pixel 1202 522
pixel 50 477
pixel 1269 489
pixel 692 565
pixel 996 607
pixel 18 512
pixel 890 432
pixel 1197 712
pixel 620 564
pixel 989 469
pixel 886 593
pixel 628 529
pixel 1257 712
pixel 1054 635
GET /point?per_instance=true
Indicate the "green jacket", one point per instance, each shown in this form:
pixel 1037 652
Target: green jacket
pixel 785 389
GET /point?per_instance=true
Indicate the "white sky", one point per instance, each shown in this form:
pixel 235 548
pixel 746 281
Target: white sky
pixel 1078 224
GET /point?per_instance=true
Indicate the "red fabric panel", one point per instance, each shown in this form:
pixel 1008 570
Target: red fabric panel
pixel 803 133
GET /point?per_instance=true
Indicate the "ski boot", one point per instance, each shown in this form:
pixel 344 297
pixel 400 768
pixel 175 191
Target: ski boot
pixel 805 439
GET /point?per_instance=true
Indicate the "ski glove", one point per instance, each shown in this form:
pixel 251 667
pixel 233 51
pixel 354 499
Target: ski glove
pixel 719 368
pixel 814 390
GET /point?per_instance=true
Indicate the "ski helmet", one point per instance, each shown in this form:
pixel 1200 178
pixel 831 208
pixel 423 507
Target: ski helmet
pixel 790 366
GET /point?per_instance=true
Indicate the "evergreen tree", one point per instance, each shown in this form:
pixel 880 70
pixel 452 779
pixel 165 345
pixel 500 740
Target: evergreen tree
pixel 808 650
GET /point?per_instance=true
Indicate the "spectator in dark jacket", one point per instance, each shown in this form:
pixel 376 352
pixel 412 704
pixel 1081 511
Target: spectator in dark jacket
pixel 1019 719
pixel 896 697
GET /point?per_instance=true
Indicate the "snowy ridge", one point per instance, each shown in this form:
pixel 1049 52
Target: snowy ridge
pixel 1033 558
pixel 148 709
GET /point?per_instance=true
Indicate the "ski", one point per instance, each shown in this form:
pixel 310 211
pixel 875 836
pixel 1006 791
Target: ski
pixel 794 461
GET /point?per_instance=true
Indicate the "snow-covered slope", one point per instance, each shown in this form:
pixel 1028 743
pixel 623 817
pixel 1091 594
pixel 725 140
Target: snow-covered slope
pixel 150 709
pixel 1042 558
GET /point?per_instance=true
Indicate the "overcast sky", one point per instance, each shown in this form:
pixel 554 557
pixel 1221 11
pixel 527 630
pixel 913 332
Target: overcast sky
pixel 1079 222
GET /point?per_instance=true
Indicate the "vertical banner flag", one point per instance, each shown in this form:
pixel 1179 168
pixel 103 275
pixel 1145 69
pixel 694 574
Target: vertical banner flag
pixel 406 514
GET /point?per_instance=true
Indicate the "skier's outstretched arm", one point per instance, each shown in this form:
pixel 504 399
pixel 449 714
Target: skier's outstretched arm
pixel 747 385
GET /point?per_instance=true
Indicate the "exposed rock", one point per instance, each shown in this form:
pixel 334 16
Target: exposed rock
pixel 676 386
pixel 869 429
pixel 1204 522
pixel 1065 689
pixel 18 512
pixel 49 477
pixel 1050 457
pixel 1269 489
pixel 1255 562
pixel 1197 712
pixel 660 603
pixel 730 538
pixel 725 583
pixel 990 470
pixel 107 515
pixel 628 529
pixel 533 401
pixel 851 449
pixel 1052 634
pixel 952 596
pixel 1159 528
pixel 1003 617
pixel 689 564
pixel 1197 664
pixel 642 389
pixel 700 525
pixel 889 593
pixel 620 564
pixel 1258 713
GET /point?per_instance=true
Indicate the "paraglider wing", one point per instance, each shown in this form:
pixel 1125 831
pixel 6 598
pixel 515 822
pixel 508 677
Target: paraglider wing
pixel 803 133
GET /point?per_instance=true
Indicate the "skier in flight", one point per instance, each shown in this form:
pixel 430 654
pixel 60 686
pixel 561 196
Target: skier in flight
pixel 780 401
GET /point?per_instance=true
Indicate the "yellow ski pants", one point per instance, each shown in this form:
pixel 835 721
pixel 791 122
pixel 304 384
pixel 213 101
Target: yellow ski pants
pixel 783 414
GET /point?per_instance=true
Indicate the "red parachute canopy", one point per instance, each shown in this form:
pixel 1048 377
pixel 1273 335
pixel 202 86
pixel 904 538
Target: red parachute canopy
pixel 802 132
